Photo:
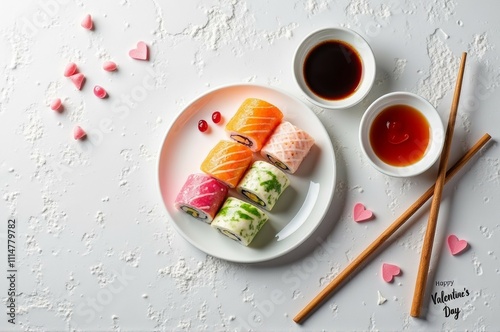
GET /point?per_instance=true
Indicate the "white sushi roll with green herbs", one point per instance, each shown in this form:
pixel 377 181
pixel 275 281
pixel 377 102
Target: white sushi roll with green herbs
pixel 239 220
pixel 263 184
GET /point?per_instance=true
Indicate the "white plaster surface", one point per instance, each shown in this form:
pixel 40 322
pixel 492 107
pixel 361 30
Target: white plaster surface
pixel 95 249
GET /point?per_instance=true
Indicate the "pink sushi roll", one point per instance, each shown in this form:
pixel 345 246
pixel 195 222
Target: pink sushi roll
pixel 201 197
pixel 287 147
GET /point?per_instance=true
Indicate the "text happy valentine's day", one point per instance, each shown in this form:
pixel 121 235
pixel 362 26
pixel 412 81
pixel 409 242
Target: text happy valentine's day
pixel 444 297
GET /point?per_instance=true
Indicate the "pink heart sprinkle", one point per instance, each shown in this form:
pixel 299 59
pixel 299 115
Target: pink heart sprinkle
pixel 56 104
pixel 100 92
pixel 361 213
pixel 109 66
pixel 70 69
pixel 139 53
pixel 455 245
pixel 389 271
pixel 87 22
pixel 77 80
pixel 79 133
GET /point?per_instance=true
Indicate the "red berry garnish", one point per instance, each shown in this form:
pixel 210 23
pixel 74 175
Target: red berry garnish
pixel 216 117
pixel 202 126
pixel 100 92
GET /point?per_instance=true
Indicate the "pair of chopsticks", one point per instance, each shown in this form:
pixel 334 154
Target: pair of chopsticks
pixel 436 190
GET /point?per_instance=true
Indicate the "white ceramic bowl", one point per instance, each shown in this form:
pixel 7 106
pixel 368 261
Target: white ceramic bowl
pixel 362 49
pixel 436 139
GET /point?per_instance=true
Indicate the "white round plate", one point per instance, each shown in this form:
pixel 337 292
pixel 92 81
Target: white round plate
pixel 299 210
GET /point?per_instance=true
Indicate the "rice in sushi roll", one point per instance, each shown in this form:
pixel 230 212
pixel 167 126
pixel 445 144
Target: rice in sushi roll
pixel 239 220
pixel 201 197
pixel 263 184
pixel 287 147
pixel 253 123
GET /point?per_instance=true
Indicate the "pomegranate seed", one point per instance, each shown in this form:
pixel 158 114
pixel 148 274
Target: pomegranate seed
pixel 100 92
pixel 202 126
pixel 216 117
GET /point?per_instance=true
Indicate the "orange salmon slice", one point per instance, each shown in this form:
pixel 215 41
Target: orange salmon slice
pixel 253 123
pixel 227 162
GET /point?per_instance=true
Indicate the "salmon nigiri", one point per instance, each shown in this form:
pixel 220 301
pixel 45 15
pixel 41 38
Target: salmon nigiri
pixel 253 123
pixel 227 162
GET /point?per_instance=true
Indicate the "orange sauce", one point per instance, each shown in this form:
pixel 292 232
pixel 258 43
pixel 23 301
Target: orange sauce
pixel 400 135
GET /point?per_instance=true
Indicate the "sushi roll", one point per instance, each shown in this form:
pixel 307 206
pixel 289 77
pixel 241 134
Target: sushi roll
pixel 253 123
pixel 201 197
pixel 263 184
pixel 287 147
pixel 227 162
pixel 239 220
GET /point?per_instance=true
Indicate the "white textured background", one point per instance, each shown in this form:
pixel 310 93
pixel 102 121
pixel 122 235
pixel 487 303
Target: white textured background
pixel 95 249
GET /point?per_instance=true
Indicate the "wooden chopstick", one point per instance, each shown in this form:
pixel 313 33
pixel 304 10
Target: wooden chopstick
pixel 342 276
pixel 425 256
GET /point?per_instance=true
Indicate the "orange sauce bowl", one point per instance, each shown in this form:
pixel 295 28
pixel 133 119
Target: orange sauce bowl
pixel 401 134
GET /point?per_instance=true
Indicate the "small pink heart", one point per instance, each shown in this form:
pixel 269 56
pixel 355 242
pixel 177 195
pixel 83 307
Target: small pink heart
pixel 361 213
pixel 389 271
pixel 87 22
pixel 109 66
pixel 139 53
pixel 455 245
pixel 70 69
pixel 79 133
pixel 56 105
pixel 77 80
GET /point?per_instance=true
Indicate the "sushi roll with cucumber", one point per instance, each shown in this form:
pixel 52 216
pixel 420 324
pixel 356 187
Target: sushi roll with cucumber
pixel 287 147
pixel 263 184
pixel 239 220
pixel 201 197
pixel 253 123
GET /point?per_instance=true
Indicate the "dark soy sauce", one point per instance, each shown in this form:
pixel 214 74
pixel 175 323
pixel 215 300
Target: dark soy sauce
pixel 333 70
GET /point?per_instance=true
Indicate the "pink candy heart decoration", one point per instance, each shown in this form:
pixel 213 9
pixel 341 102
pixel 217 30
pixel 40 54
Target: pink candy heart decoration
pixel 70 69
pixel 79 133
pixel 87 22
pixel 455 245
pixel 109 66
pixel 56 104
pixel 139 53
pixel 389 271
pixel 361 213
pixel 77 80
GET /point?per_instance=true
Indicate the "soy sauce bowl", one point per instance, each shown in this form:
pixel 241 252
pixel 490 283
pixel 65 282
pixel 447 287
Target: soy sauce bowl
pixel 353 48
pixel 430 153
